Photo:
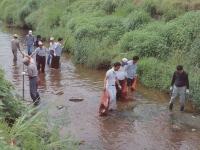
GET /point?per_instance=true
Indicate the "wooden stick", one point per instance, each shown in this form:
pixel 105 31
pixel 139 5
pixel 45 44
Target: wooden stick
pixel 23 76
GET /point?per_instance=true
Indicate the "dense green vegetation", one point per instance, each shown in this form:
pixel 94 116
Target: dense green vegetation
pixel 163 33
pixel 28 128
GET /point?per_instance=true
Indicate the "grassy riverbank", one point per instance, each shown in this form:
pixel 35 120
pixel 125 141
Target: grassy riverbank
pixel 163 33
pixel 27 127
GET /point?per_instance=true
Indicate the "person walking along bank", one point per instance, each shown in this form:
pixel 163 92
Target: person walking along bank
pixel 131 69
pixel 109 84
pixel 181 87
pixel 32 73
pixel 29 40
pixel 15 46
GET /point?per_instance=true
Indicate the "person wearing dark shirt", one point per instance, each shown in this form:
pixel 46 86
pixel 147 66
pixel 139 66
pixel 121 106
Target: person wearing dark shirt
pixel 181 86
pixel 36 45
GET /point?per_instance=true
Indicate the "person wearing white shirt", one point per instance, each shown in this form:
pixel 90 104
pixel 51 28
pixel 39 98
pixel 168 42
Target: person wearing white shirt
pixel 121 75
pixel 109 84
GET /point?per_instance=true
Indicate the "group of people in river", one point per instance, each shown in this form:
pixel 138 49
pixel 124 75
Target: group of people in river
pixel 36 47
pixel 125 71
pixel 121 72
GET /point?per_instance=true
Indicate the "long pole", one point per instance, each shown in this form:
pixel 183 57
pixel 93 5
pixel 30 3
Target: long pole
pixel 23 75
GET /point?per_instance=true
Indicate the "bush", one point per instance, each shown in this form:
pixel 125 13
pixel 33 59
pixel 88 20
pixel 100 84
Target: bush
pixel 153 75
pixel 145 44
pixel 135 19
pixel 10 102
pixel 109 6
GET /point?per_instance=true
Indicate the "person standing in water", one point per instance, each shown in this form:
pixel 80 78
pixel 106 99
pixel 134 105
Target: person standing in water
pixel 181 86
pixel 41 52
pixel 55 63
pixel 51 50
pixel 29 41
pixel 131 69
pixel 15 46
pixel 32 73
pixel 121 75
pixel 109 84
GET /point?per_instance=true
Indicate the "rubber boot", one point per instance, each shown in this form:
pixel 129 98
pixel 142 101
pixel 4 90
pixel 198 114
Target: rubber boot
pixel 170 105
pixel 182 108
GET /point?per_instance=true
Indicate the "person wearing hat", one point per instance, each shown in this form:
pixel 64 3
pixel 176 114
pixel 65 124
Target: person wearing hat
pixel 41 52
pixel 15 46
pixel 29 41
pixel 51 49
pixel 36 45
pixel 55 63
pixel 32 73
pixel 131 69
pixel 121 75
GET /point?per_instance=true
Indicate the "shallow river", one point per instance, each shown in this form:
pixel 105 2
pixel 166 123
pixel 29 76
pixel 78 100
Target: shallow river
pixel 142 124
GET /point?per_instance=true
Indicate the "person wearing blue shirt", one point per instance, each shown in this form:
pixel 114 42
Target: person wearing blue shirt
pixel 131 69
pixel 29 41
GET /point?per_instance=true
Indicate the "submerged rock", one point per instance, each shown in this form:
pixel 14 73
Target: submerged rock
pixel 175 128
pixel 57 92
pixel 76 99
pixel 59 107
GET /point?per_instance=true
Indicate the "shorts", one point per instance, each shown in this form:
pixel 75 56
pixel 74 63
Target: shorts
pixel 130 81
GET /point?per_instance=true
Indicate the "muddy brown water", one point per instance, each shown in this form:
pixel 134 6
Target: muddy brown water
pixel 142 124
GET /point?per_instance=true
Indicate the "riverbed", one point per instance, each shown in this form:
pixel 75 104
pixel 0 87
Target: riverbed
pixel 144 123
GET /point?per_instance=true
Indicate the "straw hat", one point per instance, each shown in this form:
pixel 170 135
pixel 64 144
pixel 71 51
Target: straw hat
pixel 52 38
pixel 40 43
pixel 15 35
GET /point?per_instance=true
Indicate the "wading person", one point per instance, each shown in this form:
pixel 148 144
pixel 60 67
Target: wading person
pixel 55 63
pixel 36 45
pixel 32 73
pixel 109 84
pixel 121 75
pixel 131 69
pixel 51 50
pixel 15 46
pixel 41 60
pixel 29 41
pixel 181 86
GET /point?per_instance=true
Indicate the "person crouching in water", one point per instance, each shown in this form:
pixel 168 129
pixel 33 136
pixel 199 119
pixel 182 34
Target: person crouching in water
pixel 109 84
pixel 32 73
pixel 41 52
pixel 55 63
pixel 180 79
pixel 51 49
pixel 121 75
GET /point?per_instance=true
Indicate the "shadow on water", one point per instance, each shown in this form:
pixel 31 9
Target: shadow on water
pixel 144 123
